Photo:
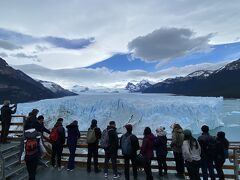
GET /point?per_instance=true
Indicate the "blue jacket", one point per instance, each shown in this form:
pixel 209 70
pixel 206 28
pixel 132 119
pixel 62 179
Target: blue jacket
pixel 73 134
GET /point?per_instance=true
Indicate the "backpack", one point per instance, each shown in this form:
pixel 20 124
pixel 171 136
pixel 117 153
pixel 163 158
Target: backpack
pixel 54 134
pixel 104 141
pixel 31 148
pixel 126 145
pixel 91 137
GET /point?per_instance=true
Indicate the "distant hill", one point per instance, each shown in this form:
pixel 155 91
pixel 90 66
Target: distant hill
pixel 222 82
pixel 18 87
pixel 56 89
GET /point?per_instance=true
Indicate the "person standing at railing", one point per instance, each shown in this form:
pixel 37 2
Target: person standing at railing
pixel 32 149
pixel 208 151
pixel 160 145
pixel 222 146
pixel 147 151
pixel 129 145
pixel 191 151
pixel 32 118
pixel 176 145
pixel 39 126
pixel 112 149
pixel 57 138
pixel 73 136
pixel 93 135
pixel 6 116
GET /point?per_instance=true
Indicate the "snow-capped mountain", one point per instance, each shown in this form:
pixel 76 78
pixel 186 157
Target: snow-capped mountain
pixel 79 89
pixel 19 87
pixel 222 82
pixel 57 89
pixel 138 87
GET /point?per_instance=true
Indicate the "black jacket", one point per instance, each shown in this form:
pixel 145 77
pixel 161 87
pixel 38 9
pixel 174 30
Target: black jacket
pixel 73 134
pixel 41 128
pixel 6 113
pixel 221 146
pixel 113 140
pixel 134 142
pixel 208 146
pixel 160 145
pixel 30 121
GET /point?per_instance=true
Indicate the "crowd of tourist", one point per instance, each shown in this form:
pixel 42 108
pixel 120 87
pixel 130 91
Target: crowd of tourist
pixel 205 152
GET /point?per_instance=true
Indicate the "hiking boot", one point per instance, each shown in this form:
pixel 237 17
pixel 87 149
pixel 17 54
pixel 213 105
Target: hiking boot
pixel 116 176
pixel 105 175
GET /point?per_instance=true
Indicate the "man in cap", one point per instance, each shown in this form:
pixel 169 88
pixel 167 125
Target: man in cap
pixel 6 116
pixel 129 145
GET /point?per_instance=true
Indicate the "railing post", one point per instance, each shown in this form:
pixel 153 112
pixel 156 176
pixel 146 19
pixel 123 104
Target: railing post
pixel 235 162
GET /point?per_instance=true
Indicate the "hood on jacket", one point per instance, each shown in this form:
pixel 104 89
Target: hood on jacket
pixel 71 126
pixel 161 131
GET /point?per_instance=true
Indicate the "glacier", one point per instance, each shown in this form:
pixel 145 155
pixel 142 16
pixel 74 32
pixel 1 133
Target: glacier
pixel 141 110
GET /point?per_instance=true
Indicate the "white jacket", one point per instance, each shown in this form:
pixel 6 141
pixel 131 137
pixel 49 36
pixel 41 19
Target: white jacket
pixel 191 154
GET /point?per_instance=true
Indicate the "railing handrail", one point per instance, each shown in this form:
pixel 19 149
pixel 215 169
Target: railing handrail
pixel 234 145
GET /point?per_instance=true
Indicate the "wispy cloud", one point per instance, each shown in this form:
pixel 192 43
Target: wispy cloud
pixel 108 78
pixel 21 39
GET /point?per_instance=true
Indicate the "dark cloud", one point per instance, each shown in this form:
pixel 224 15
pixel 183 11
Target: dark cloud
pixel 23 55
pixel 24 39
pixel 69 43
pixel 9 46
pixel 168 43
pixel 3 55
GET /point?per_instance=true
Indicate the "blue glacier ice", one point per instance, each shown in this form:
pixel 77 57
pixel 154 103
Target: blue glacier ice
pixel 141 110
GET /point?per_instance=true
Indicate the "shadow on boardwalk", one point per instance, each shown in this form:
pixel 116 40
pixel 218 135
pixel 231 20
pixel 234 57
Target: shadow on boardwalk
pixel 80 173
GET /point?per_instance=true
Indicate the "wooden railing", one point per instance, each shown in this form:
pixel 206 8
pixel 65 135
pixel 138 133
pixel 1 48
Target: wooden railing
pixel 231 167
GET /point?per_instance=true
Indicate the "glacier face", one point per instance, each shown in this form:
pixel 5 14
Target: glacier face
pixel 151 110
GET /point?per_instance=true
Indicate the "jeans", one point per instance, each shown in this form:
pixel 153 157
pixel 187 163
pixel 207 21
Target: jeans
pixel 56 151
pixel 179 162
pixel 162 164
pixel 134 166
pixel 71 160
pixel 92 152
pixel 32 167
pixel 5 131
pixel 148 170
pixel 207 166
pixel 113 157
pixel 219 166
pixel 193 169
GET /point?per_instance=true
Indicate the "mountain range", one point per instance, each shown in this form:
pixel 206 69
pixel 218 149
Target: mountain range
pixel 17 87
pixel 222 82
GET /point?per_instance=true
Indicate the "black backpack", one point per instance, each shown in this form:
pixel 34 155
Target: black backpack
pixel 126 145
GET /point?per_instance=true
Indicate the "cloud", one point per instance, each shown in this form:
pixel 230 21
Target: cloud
pixel 168 43
pixel 3 55
pixel 25 39
pixel 23 55
pixel 105 77
pixel 8 46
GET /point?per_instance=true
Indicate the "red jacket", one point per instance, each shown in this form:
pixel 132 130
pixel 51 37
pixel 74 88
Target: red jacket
pixel 147 146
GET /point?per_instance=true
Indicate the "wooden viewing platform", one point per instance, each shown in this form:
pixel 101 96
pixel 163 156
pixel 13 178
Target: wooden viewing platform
pixel 231 167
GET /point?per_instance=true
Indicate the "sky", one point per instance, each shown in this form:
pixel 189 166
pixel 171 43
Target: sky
pixel 67 35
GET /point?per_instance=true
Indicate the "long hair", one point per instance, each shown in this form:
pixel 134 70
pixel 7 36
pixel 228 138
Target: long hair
pixel 192 141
